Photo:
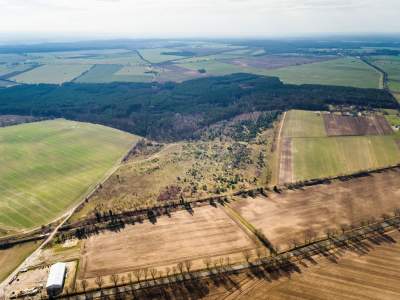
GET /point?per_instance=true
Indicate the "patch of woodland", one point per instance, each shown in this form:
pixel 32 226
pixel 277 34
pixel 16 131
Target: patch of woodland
pixel 175 111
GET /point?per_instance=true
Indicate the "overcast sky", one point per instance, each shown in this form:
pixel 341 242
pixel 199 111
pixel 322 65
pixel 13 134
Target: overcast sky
pixel 198 18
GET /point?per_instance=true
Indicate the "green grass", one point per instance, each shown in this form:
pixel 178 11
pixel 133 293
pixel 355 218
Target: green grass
pixel 213 67
pixel 155 55
pixel 51 74
pixel 12 257
pixel 47 166
pixel 322 157
pixel 391 65
pixel 115 73
pixel 342 72
pixel 300 123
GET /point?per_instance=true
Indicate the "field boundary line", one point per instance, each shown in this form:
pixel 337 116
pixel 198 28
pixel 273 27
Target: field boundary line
pixel 278 149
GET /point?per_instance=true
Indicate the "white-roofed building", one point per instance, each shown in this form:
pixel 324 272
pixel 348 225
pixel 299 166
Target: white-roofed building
pixel 55 281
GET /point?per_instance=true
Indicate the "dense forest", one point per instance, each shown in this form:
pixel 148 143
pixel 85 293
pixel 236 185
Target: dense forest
pixel 172 111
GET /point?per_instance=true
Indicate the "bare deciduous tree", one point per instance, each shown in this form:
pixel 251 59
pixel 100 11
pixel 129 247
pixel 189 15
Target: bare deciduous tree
pixel 188 265
pixel 84 285
pixel 247 255
pixel 207 263
pixel 99 281
pixel 153 273
pixel 114 279
pixel 138 274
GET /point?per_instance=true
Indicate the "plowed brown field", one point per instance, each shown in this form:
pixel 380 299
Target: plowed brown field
pixel 338 125
pixel 289 215
pixel 209 232
pixel 374 274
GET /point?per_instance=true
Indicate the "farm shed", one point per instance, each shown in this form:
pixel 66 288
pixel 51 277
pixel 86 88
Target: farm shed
pixel 55 281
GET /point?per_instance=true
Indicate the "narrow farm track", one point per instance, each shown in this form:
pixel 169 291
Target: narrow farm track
pixel 279 149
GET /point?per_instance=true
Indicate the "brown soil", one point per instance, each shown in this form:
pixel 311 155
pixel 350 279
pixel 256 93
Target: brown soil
pixel 276 61
pixel 208 233
pixel 288 216
pixel 337 125
pixel 286 162
pixel 371 274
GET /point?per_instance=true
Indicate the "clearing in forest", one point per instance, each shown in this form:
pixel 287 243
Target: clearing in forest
pixel 48 166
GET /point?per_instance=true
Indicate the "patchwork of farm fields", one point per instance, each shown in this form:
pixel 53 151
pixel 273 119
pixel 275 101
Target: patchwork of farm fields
pixel 51 74
pixel 47 166
pixel 316 145
pixel 287 216
pixel 369 273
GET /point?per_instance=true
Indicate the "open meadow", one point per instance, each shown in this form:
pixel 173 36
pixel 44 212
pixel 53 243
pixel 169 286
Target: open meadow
pixel 48 166
pixel 291 215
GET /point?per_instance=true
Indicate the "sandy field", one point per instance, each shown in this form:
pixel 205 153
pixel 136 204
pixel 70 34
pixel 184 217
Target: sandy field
pixel 373 274
pixel 287 216
pixel 209 232
pixel 337 125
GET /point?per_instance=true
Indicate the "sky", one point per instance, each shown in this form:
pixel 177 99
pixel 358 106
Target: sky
pixel 195 18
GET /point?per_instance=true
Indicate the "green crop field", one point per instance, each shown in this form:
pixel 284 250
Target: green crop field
pixel 48 166
pixel 300 123
pixel 391 65
pixel 214 67
pixel 156 55
pixel 321 157
pixel 115 73
pixel 343 72
pixel 51 74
